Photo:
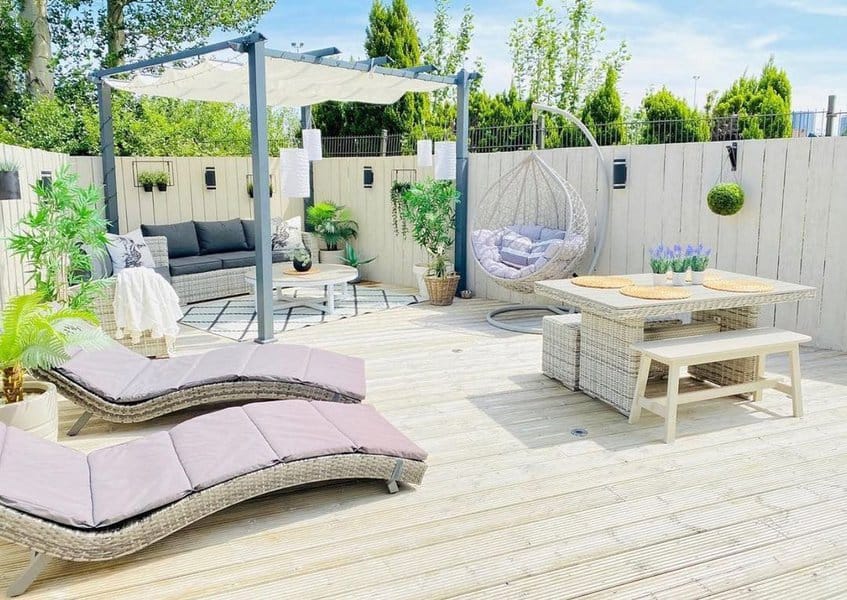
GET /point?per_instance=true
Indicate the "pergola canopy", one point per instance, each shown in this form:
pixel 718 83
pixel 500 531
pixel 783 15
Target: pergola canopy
pixel 291 80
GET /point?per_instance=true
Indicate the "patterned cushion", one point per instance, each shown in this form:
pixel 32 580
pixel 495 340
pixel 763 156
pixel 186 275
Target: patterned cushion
pixel 286 235
pixel 128 251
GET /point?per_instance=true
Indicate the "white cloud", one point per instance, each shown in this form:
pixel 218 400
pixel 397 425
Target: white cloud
pixel 827 8
pixel 763 41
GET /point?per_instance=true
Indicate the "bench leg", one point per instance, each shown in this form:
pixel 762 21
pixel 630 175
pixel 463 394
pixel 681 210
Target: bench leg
pixel 395 475
pixel 640 389
pixel 37 562
pixel 796 391
pixel 673 394
pixel 79 424
pixel 760 374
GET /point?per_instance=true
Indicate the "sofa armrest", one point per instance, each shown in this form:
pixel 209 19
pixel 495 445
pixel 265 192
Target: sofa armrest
pixel 159 249
pixel 310 240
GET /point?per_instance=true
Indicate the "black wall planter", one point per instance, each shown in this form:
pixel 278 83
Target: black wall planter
pixel 10 185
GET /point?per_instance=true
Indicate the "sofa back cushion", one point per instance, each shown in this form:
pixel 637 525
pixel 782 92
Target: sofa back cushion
pixel 220 236
pixel 182 238
pixel 249 227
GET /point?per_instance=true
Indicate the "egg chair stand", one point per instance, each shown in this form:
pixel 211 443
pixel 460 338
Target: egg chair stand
pixel 532 225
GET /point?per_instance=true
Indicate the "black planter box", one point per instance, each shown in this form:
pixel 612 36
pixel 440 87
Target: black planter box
pixel 10 185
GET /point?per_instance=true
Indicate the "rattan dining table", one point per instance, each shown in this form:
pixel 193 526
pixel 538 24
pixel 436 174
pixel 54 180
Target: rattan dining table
pixel 613 322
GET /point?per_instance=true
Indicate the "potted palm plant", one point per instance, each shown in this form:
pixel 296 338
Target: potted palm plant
pixel 10 182
pixel 335 226
pixel 429 208
pixel 351 259
pixel 37 335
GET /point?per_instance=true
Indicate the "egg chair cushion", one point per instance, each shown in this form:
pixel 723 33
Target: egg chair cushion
pixel 518 251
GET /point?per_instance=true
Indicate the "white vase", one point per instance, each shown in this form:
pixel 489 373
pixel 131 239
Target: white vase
pixel 420 270
pixel 679 278
pixel 660 279
pixel 331 257
pixel 697 277
pixel 38 413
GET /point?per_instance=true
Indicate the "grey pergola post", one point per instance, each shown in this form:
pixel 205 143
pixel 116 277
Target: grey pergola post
pixel 261 193
pixel 107 154
pixel 463 79
pixel 306 123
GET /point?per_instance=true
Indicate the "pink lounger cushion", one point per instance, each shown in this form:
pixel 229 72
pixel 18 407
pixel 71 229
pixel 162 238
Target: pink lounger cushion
pixel 119 375
pixel 111 485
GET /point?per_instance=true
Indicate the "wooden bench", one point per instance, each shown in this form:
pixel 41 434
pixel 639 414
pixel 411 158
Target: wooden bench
pixel 726 345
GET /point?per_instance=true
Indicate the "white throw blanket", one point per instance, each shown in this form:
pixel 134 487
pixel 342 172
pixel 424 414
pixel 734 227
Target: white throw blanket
pixel 145 301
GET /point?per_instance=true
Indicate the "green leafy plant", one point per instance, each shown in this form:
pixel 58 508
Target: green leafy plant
pixel 37 334
pixel 332 223
pixel 398 188
pixel 679 260
pixel 351 257
pixel 725 199
pixel 58 239
pixel 8 167
pixel 151 178
pixel 429 209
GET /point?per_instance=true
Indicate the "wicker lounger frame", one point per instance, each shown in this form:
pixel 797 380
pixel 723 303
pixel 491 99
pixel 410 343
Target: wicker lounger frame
pixel 47 539
pixel 227 391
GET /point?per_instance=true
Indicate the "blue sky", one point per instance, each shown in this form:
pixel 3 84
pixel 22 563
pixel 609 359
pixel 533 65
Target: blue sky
pixel 671 41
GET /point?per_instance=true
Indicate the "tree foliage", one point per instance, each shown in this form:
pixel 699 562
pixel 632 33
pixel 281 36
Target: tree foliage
pixel 669 119
pixel 603 111
pixel 556 56
pixel 15 39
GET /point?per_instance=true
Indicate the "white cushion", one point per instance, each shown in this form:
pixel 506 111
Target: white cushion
pixel 286 234
pixel 129 250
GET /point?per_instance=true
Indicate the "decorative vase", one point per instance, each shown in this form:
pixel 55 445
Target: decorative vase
pixel 442 290
pixel 10 185
pixel 37 413
pixel 660 278
pixel 679 278
pixel 697 277
pixel 302 264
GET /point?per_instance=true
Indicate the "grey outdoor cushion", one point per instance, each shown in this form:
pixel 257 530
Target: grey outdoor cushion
pixel 119 375
pixel 111 485
pixel 220 236
pixel 249 227
pixel 233 260
pixel 182 238
pixel 188 265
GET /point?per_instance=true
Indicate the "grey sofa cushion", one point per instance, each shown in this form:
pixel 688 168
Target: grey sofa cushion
pixel 164 272
pixel 233 260
pixel 101 263
pixel 249 227
pixel 220 236
pixel 188 265
pixel 182 238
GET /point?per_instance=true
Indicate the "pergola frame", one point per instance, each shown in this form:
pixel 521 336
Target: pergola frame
pixel 254 46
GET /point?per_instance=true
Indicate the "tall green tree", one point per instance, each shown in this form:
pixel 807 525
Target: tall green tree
pixel 603 111
pixel 15 39
pixel 556 54
pixel 669 119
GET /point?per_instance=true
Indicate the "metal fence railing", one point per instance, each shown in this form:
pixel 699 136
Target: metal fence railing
pixel 555 133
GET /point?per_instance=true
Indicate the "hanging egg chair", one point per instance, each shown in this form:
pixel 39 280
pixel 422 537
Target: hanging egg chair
pixel 531 226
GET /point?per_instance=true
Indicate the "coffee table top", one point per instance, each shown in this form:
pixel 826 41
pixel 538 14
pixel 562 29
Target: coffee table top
pixel 325 274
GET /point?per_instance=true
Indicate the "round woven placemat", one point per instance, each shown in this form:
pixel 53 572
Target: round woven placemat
pixel 602 281
pixel 656 292
pixel 311 271
pixel 738 285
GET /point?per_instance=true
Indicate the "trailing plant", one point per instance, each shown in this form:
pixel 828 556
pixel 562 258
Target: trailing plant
pixel 351 257
pixel 659 259
pixel 725 199
pixel 59 237
pixel 37 335
pixel 332 223
pixel 398 188
pixel 8 166
pixel 429 209
pixel 698 257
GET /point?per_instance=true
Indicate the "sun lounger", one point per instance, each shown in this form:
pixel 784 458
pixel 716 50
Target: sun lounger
pixel 122 386
pixel 117 500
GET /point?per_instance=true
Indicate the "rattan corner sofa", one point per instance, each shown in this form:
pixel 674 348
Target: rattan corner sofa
pixel 122 386
pixel 62 503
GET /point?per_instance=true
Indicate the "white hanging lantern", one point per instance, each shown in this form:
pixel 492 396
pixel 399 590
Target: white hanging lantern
pixel 445 160
pixel 294 172
pixel 424 153
pixel 312 143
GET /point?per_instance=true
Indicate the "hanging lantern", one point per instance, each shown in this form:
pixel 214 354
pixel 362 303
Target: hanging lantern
pixel 312 143
pixel 294 171
pixel 424 153
pixel 445 160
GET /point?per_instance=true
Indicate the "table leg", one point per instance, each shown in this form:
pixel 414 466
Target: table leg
pixel 728 372
pixel 608 366
pixel 330 299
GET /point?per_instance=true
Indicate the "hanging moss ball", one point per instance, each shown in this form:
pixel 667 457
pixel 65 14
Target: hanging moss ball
pixel 725 199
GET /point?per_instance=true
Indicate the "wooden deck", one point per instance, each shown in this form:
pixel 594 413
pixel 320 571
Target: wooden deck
pixel 748 503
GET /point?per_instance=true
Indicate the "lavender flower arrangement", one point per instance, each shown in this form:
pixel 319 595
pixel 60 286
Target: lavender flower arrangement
pixel 698 257
pixel 660 259
pixel 679 260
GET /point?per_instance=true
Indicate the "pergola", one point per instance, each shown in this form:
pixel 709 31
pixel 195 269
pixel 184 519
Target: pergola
pixel 277 78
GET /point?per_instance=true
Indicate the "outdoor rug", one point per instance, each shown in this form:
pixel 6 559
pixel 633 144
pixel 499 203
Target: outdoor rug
pixel 235 318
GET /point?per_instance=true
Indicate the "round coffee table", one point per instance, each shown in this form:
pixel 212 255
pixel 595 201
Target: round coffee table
pixel 322 275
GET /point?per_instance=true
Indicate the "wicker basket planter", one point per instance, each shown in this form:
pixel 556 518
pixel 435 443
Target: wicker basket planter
pixel 37 413
pixel 442 290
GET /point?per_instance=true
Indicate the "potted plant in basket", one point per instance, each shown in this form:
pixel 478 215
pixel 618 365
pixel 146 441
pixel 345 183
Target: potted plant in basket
pixel 36 335
pixel 698 260
pixel 429 208
pixel 335 226
pixel 351 259
pixel 679 264
pixel 10 182
pixel 660 264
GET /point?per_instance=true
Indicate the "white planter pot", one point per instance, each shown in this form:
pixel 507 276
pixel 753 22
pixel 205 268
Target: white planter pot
pixel 332 257
pixel 420 271
pixel 37 414
pixel 660 279
pixel 697 277
pixel 679 278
